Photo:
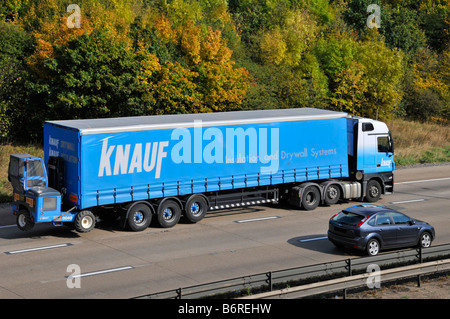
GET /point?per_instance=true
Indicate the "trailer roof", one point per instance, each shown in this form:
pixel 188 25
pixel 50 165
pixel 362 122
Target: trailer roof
pixel 144 123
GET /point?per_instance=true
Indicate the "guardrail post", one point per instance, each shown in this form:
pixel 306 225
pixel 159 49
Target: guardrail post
pixel 419 254
pixel 269 280
pixel 349 265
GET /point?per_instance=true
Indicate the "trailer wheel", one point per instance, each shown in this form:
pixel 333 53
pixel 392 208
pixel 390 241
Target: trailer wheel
pixel 139 217
pixel 332 194
pixel 310 198
pixel 84 221
pixel 196 208
pixel 24 221
pixel 373 191
pixel 169 213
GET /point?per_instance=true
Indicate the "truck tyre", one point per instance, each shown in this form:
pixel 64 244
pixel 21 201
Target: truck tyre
pixel 139 217
pixel 24 221
pixel 332 194
pixel 169 213
pixel 373 191
pixel 310 198
pixel 84 221
pixel 196 208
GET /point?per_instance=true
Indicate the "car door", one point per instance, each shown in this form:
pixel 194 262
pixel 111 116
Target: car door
pixel 386 228
pixel 408 232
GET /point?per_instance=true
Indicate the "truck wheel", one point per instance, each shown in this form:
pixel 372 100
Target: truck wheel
pixel 139 217
pixel 196 208
pixel 310 198
pixel 169 213
pixel 332 194
pixel 373 192
pixel 24 221
pixel 84 221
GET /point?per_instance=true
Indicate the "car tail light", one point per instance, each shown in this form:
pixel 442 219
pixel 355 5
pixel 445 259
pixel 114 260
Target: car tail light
pixel 362 222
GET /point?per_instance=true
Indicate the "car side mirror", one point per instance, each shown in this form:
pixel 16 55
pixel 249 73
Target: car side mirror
pixel 412 222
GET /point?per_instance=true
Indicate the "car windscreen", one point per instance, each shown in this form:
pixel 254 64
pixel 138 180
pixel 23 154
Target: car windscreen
pixel 348 218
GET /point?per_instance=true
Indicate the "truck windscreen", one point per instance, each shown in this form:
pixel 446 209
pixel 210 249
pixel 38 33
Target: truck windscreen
pixel 36 174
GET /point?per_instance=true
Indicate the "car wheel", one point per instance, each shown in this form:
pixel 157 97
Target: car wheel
pixel 373 247
pixel 425 240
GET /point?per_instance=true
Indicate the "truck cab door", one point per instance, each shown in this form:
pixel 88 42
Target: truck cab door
pixel 15 174
pixel 384 158
pixel 375 148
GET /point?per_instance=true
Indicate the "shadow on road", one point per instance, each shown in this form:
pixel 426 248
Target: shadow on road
pixel 320 243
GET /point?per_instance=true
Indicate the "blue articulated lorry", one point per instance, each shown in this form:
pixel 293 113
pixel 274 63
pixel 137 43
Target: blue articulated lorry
pixel 138 168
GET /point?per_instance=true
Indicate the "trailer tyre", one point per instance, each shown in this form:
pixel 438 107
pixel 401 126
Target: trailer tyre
pixel 84 221
pixel 332 194
pixel 139 217
pixel 310 198
pixel 24 221
pixel 373 191
pixel 169 213
pixel 196 208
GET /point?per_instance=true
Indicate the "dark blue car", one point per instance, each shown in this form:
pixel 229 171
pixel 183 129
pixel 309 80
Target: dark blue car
pixel 372 228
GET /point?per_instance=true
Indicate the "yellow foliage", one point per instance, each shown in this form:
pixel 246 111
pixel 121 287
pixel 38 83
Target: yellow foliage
pixel 53 34
pixel 273 47
pixel 190 41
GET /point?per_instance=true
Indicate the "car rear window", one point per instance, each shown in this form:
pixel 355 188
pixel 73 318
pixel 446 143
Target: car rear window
pixel 348 218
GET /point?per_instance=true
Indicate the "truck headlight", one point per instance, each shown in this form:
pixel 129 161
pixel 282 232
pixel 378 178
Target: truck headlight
pixel 49 203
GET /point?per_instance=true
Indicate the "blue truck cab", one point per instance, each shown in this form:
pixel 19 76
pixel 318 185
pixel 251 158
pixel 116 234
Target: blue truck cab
pixel 33 201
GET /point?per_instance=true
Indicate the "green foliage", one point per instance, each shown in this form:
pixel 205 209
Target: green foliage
pixel 15 43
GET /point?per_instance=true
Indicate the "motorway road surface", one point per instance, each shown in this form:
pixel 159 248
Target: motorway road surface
pixel 113 263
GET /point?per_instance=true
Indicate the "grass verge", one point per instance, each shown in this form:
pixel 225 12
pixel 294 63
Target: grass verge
pixel 419 143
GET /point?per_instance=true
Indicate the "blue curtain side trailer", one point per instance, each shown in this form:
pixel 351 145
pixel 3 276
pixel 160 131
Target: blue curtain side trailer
pixel 165 166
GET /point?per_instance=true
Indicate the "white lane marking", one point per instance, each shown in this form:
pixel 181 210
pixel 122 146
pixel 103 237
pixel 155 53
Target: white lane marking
pixel 256 219
pixel 100 272
pixel 409 201
pixel 423 181
pixel 312 239
pixel 36 249
pixel 7 226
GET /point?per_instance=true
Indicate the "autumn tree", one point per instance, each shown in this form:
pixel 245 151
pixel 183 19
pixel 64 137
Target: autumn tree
pixel 383 69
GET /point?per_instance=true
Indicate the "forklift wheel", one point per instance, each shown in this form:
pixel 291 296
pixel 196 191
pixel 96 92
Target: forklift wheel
pixel 24 221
